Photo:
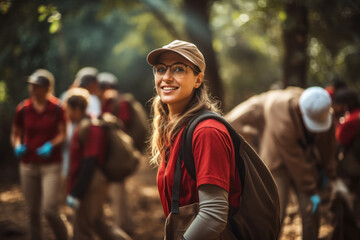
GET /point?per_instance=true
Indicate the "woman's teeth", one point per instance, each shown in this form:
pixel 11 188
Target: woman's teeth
pixel 169 88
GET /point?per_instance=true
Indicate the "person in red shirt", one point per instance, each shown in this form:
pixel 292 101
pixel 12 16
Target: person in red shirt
pixel 87 184
pixel 37 133
pixel 348 127
pixel 335 86
pixel 179 69
pixel 348 135
pixel 113 102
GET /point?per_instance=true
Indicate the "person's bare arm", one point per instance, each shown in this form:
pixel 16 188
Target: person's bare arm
pixel 15 136
pixel 60 138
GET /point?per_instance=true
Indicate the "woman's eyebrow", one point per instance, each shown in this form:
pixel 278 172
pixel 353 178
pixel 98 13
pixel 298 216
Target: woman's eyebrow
pixel 172 64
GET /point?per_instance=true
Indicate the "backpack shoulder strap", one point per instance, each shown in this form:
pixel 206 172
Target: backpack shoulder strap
pixel 116 107
pixel 83 130
pixel 186 147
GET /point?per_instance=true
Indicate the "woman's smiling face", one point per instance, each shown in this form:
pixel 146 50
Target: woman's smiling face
pixel 176 86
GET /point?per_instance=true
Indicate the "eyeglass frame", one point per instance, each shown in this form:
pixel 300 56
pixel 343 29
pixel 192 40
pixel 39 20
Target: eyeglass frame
pixel 196 71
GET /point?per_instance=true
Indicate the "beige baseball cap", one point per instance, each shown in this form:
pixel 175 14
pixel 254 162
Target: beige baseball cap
pixel 185 49
pixel 41 77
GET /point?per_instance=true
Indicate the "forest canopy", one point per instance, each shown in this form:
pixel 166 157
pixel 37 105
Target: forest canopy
pixel 249 45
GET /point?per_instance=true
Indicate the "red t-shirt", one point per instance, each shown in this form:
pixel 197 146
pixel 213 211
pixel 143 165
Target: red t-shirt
pixel 347 130
pixel 214 163
pixel 94 146
pixel 123 111
pixel 331 91
pixel 38 128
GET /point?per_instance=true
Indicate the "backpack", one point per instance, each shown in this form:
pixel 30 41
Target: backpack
pixel 122 158
pixel 344 220
pixel 139 127
pixel 258 214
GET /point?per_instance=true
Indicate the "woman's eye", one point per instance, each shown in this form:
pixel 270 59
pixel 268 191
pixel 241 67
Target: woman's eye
pixel 161 70
pixel 179 69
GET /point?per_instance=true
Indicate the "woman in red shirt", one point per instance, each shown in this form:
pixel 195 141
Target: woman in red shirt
pixel 38 131
pixel 347 101
pixel 179 69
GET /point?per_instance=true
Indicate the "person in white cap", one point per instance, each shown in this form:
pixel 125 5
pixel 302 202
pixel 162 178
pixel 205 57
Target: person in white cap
pixel 85 78
pixel 113 102
pixel 295 132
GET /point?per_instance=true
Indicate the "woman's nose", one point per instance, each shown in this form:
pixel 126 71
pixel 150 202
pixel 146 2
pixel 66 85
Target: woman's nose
pixel 167 76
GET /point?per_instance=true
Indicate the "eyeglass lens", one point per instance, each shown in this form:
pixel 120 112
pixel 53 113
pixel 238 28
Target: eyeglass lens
pixel 176 70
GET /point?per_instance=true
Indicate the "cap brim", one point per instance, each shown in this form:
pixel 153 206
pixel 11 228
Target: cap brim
pixel 32 81
pixel 155 54
pixel 317 127
pixel 35 81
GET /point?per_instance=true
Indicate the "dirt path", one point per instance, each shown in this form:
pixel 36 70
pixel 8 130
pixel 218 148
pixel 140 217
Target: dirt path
pixel 144 202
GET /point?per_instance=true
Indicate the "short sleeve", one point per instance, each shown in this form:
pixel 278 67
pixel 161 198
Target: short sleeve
pixel 19 116
pixel 213 152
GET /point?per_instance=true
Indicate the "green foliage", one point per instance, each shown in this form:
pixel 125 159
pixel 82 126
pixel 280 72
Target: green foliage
pixel 247 42
pixel 115 36
pixel 4 6
pixel 3 94
pixel 50 14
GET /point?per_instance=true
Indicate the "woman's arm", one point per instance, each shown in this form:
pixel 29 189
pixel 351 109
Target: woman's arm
pixel 212 217
pixel 15 136
pixel 60 137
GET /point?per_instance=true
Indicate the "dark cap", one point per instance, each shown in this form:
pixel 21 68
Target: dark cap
pixel 38 80
pixel 41 77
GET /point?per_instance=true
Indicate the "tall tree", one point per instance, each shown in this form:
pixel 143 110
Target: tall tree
pixel 295 39
pixel 198 29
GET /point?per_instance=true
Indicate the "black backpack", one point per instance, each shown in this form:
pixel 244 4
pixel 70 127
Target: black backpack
pixel 258 214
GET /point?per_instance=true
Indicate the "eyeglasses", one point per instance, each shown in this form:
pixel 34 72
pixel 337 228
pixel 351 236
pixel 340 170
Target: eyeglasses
pixel 177 70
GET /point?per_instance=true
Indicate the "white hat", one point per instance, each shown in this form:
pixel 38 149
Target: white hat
pixel 87 71
pixel 107 78
pixel 83 72
pixel 315 103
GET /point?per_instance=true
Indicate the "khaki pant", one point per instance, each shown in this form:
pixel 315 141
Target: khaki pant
pixel 89 217
pixel 310 221
pixel 120 205
pixel 40 185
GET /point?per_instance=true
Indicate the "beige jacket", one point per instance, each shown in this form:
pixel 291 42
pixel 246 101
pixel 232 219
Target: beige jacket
pixel 272 123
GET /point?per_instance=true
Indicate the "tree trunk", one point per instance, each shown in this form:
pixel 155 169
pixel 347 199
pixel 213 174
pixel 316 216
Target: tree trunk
pixel 198 30
pixel 295 33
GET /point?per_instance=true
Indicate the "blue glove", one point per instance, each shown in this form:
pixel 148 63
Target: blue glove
pixel 20 150
pixel 45 150
pixel 315 199
pixel 72 202
pixel 324 179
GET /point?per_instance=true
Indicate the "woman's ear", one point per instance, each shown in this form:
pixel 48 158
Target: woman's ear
pixel 199 80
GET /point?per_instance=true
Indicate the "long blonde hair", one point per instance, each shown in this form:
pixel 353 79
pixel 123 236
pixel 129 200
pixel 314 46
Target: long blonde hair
pixel 164 130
